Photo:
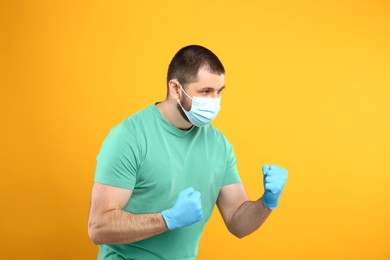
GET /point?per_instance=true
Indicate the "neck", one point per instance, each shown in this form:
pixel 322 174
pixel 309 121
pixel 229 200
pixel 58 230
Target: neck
pixel 168 109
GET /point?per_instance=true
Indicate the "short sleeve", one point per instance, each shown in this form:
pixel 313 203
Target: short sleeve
pixel 231 173
pixel 117 160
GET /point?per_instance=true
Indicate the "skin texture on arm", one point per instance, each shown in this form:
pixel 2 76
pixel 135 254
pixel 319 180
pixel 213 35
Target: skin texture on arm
pixel 109 224
pixel 240 215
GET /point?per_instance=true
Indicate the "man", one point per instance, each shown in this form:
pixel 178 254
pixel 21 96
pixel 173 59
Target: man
pixel 161 171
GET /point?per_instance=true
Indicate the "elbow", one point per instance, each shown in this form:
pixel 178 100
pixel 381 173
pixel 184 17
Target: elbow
pixel 93 233
pixel 237 233
pixel 239 236
pixel 93 237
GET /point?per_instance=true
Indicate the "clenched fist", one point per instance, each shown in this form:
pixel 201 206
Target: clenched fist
pixel 186 211
pixel 274 179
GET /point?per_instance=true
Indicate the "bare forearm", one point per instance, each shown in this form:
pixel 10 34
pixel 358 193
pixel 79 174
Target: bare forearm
pixel 248 218
pixel 121 227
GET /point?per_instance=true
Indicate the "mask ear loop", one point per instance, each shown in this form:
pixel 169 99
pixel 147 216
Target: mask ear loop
pixel 178 100
pixel 184 91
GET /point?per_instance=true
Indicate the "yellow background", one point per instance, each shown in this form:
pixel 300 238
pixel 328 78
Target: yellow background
pixel 308 88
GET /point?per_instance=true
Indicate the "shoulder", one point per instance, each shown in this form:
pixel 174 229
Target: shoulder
pixel 136 124
pixel 138 119
pixel 129 128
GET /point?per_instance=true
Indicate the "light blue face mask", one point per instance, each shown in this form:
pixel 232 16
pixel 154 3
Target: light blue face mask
pixel 203 110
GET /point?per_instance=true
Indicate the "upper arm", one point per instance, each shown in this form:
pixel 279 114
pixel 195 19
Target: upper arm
pixel 105 198
pixel 118 159
pixel 230 198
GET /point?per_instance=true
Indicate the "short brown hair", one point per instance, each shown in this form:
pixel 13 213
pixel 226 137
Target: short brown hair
pixel 187 61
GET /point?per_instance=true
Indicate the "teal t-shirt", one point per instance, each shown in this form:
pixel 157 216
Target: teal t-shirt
pixel 147 154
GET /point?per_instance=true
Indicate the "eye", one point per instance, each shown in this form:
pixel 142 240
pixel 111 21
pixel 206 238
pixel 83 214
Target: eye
pixel 205 92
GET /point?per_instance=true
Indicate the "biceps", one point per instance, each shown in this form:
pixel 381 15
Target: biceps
pixel 230 198
pixel 105 198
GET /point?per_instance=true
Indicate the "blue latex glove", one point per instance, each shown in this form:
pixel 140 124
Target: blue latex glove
pixel 186 211
pixel 274 179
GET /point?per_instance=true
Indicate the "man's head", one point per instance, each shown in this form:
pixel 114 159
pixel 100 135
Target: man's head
pixel 195 72
pixel 187 62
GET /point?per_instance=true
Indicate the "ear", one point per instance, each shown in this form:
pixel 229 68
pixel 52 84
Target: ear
pixel 174 89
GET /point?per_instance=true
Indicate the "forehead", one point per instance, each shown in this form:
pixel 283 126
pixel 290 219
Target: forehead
pixel 208 79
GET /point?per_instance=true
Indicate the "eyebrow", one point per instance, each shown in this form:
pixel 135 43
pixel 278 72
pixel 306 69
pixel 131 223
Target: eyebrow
pixel 204 88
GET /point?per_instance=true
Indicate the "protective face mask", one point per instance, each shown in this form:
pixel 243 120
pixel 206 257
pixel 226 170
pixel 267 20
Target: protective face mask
pixel 203 110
